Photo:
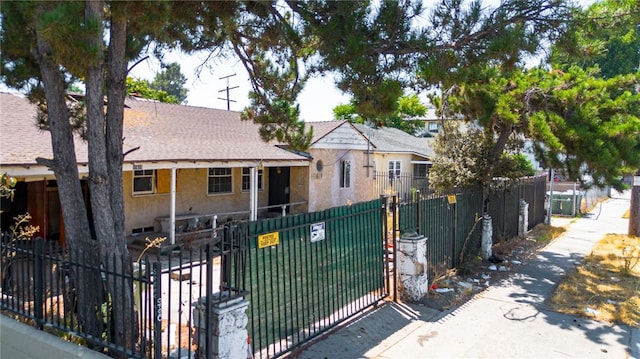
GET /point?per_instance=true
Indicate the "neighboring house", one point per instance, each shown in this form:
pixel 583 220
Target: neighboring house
pixel 355 163
pixel 432 124
pixel 401 161
pixel 183 166
pixel 340 172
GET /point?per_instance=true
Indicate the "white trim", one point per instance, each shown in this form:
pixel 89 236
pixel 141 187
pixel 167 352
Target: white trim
pixel 128 166
pixel 24 171
pixel 172 208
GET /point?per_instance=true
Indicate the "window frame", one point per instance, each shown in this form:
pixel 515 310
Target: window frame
pixel 395 169
pixel 213 176
pixel 345 174
pixel 152 178
pixel 247 176
pixel 416 167
pixel 433 127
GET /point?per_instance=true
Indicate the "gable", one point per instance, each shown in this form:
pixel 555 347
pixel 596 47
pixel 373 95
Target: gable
pixel 343 137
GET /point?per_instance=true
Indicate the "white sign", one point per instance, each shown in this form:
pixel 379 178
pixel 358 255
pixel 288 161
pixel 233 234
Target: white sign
pixel 636 180
pixel 317 232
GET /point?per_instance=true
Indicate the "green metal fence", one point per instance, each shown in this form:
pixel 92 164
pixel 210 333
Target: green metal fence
pixel 448 222
pixel 452 224
pixel 306 273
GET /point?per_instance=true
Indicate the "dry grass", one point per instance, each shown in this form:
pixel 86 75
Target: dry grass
pixel 543 233
pixel 607 286
pixel 627 214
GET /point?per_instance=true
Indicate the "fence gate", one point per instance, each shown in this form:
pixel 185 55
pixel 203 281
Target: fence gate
pixel 307 273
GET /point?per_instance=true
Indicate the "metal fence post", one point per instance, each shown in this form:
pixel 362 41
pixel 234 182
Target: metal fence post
pixel 38 281
pixel 418 226
pixel 385 240
pixel 209 292
pixel 156 274
pixel 394 207
pixel 455 257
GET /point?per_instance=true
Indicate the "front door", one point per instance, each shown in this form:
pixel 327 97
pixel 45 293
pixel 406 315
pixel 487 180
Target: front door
pixel 278 187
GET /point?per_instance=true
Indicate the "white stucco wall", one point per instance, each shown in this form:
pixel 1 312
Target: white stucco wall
pixel 324 186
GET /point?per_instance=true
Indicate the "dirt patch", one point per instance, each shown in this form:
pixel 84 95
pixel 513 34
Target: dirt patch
pixel 456 286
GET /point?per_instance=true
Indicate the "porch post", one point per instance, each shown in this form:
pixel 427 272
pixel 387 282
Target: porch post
pixel 172 210
pixel 253 184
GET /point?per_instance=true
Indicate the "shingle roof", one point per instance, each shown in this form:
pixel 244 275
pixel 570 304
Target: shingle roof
pixel 167 131
pixel 387 139
pixel 21 142
pixel 161 131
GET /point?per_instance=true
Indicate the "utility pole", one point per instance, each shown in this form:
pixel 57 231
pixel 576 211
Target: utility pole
pixel 634 211
pixel 227 89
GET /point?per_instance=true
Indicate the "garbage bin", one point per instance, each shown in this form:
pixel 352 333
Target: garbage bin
pixel 563 204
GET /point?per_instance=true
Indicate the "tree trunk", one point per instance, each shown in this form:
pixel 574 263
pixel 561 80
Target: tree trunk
pixel 125 323
pixel 105 162
pixel 64 166
pixel 634 211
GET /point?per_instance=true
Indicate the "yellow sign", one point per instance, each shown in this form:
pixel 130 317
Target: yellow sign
pixel 268 239
pixel 451 199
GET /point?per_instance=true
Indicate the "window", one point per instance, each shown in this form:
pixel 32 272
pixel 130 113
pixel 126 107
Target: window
pixel 420 170
pixel 144 181
pixel 345 174
pixel 394 169
pixel 246 179
pixel 433 127
pixel 220 180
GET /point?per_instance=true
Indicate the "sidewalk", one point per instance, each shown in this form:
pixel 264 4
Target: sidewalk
pixel 21 341
pixel 508 320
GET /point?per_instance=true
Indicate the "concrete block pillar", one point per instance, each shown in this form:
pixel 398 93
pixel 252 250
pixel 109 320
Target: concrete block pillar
pixel 227 329
pixel 412 267
pixel 487 237
pixel 523 219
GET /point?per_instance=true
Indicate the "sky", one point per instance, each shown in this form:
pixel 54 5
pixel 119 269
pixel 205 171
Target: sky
pixel 317 100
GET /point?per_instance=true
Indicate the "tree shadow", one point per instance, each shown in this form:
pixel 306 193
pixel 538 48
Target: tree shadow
pixel 534 285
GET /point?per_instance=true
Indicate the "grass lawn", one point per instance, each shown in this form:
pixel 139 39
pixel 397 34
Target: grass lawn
pixel 606 286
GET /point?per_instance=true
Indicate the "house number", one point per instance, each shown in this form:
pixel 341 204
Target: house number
pixel 159 310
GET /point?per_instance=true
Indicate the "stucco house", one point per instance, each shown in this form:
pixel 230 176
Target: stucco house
pixel 354 163
pixel 184 165
pixel 341 171
pixel 400 161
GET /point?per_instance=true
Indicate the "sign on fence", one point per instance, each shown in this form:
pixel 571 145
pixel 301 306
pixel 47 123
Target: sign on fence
pixel 268 239
pixel 317 232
